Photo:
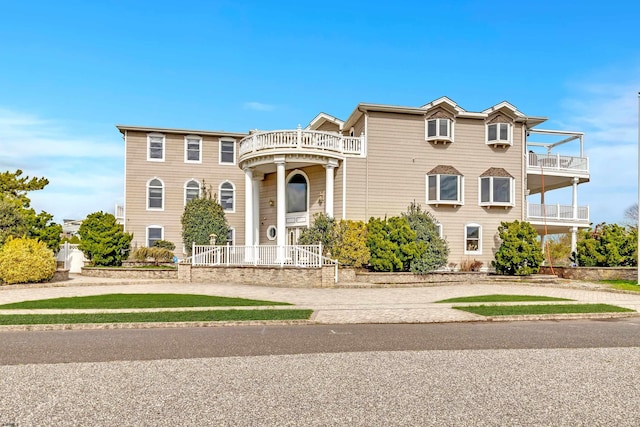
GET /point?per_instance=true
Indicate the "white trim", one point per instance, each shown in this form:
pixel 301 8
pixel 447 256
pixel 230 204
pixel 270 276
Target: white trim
pixel 184 187
pixel 147 201
pixel 235 149
pixel 438 201
pixel 124 205
pixel 164 146
pixel 232 230
pixel 233 201
pixel 499 141
pixel 437 136
pixel 440 230
pixel 187 138
pixel 491 202
pixel 275 232
pixel 479 250
pixel 147 233
pixel 308 201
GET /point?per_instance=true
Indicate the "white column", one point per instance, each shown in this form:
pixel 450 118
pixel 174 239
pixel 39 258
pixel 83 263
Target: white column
pixel 248 207
pixel 281 210
pixel 574 202
pixel 574 239
pixel 328 199
pixel 256 211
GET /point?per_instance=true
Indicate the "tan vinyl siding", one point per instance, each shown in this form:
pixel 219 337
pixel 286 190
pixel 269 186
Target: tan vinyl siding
pixel 329 127
pixel 174 173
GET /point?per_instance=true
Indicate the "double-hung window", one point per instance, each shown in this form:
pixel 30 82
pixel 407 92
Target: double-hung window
pixel 227 196
pixel 499 133
pixel 444 186
pixel 497 188
pixel 227 151
pixel 155 194
pixel 155 147
pixel 193 149
pixel 154 233
pixel 472 239
pixel 439 130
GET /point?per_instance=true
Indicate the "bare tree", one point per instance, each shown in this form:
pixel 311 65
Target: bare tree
pixel 631 214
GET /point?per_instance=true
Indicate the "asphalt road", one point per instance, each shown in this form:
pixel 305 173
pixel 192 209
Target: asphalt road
pixel 35 347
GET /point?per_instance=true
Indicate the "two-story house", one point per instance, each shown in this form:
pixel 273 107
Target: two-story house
pixel 472 170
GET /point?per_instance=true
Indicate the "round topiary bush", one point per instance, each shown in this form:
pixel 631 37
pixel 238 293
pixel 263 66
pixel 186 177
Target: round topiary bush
pixel 26 261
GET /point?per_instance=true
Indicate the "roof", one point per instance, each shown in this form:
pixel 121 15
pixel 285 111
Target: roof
pixel 123 128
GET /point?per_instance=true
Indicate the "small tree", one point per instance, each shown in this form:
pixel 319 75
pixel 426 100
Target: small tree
pixel 350 243
pixel 608 245
pixel 436 250
pixel 103 240
pixel 320 232
pixel 392 244
pixel 201 218
pixel 520 253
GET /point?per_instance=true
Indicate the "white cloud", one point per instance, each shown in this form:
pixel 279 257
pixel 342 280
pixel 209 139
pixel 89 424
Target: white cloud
pixel 259 106
pixel 85 173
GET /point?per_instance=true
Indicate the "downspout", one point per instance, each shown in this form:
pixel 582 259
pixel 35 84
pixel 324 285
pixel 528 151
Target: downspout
pixel 525 160
pixel 124 208
pixel 366 187
pixel 344 188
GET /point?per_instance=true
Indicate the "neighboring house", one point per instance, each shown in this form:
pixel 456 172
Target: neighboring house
pixel 472 170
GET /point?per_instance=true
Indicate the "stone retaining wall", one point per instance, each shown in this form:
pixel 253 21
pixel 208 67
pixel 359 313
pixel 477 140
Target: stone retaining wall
pixel 593 273
pixel 130 273
pixel 260 275
pixel 409 278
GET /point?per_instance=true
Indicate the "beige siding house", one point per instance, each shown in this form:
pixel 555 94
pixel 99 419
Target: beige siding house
pixel 472 170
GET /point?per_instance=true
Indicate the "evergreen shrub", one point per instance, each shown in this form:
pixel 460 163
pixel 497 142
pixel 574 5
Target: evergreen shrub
pixel 24 260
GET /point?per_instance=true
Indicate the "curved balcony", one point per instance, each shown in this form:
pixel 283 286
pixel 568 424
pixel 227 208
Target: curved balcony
pixel 300 142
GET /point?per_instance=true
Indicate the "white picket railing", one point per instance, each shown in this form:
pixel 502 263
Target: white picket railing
pixel 303 139
pixel 259 255
pixel 558 162
pixel 557 212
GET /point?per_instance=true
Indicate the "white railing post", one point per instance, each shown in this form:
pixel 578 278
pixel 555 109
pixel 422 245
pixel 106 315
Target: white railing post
pixel 193 253
pixel 299 142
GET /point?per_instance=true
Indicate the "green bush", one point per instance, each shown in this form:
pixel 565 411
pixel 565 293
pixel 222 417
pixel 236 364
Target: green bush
pixel 103 240
pixel 520 253
pixel 436 250
pixel 201 218
pixel 608 245
pixel 392 244
pixel 164 244
pixel 24 260
pixel 321 232
pixel 158 255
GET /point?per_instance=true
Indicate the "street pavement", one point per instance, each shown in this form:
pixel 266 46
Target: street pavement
pixel 334 305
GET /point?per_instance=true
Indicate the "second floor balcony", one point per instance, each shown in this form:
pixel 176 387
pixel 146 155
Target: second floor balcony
pixel 301 141
pixel 557 218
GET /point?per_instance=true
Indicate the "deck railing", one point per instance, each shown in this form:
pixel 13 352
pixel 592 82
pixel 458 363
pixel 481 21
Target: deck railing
pixel 259 255
pixel 303 139
pixel 557 212
pixel 558 162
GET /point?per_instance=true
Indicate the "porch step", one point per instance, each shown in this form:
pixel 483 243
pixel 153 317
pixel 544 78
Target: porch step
pixel 534 278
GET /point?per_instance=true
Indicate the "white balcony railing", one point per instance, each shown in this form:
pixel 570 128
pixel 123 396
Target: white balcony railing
pixel 263 255
pixel 557 162
pixel 303 139
pixel 557 212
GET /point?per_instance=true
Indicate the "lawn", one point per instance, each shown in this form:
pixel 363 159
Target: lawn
pixel 503 298
pixel 623 285
pixel 515 310
pixel 164 316
pixel 113 301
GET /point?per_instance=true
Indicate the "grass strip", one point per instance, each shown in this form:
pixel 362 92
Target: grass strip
pixel 166 316
pixel 623 285
pixel 108 301
pixel 515 310
pixel 503 298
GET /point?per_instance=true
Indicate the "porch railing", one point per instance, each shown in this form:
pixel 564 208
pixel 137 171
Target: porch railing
pixel 557 212
pixel 259 255
pixel 558 162
pixel 303 139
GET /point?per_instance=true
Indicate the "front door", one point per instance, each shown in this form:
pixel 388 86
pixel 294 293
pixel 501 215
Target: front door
pixel 293 234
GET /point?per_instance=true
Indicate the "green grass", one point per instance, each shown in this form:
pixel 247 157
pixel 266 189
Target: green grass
pixel 623 285
pixel 514 310
pixel 109 301
pixel 502 298
pixel 166 316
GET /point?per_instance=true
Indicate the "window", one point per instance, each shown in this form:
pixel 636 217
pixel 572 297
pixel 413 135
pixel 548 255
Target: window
pixel 227 151
pixel 191 191
pixel 155 147
pixel 272 232
pixel 473 239
pixel 499 133
pixel 154 233
pixel 230 236
pixel 444 188
pixel 297 194
pixel 192 147
pixel 440 230
pixel 226 193
pixel 439 129
pixel 155 194
pixel 496 190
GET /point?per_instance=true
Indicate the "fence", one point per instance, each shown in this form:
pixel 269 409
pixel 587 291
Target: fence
pixel 259 255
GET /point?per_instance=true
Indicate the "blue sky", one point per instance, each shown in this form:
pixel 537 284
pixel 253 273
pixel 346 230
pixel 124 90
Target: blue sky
pixel 71 70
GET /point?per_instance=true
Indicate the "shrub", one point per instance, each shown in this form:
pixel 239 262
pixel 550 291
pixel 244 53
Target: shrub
pixel 158 255
pixel 350 243
pixel 520 253
pixel 320 232
pixel 164 244
pixel 392 244
pixel 103 240
pixel 24 260
pixel 608 245
pixel 201 218
pixel 436 250
pixel 470 265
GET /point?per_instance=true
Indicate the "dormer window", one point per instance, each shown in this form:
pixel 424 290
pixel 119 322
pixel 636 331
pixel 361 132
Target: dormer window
pixel 439 130
pixel 499 133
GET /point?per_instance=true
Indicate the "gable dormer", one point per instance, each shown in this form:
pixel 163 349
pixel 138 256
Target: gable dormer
pixel 499 130
pixel 440 120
